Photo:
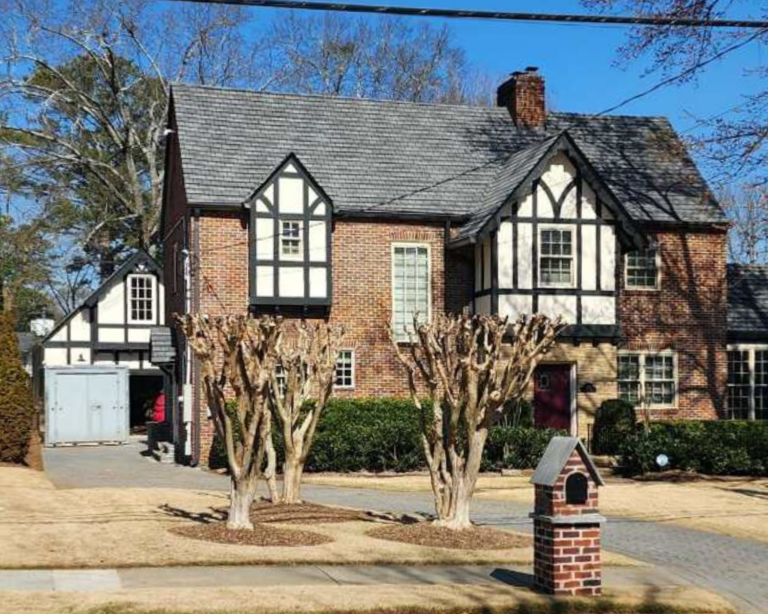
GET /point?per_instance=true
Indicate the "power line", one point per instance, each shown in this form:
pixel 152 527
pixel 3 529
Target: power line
pixel 616 20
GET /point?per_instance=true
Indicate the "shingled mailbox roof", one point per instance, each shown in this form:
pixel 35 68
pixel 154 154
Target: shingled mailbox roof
pixel 383 158
pixel 555 458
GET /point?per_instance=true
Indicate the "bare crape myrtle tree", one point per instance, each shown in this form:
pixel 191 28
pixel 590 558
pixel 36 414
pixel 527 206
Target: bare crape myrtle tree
pixel 300 388
pixel 469 367
pixel 237 356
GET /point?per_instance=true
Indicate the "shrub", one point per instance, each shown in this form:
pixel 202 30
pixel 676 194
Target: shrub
pixel 516 448
pixel 615 420
pixel 383 434
pixel 17 409
pixel 710 447
pixel 367 435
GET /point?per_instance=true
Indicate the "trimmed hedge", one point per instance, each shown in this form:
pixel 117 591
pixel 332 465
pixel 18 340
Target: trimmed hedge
pixel 516 448
pixel 383 434
pixel 17 409
pixel 615 420
pixel 727 447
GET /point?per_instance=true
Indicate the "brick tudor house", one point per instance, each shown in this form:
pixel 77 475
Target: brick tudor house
pixel 362 211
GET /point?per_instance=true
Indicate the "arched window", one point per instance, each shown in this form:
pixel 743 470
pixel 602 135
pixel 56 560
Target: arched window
pixel 576 489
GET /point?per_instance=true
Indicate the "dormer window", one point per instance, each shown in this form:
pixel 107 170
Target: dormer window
pixel 290 239
pixel 290 235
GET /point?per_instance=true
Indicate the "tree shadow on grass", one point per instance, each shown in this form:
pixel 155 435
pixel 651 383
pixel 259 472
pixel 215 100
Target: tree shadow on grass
pixel 207 517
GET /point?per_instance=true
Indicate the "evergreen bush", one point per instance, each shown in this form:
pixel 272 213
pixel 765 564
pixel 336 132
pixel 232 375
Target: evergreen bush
pixel 16 405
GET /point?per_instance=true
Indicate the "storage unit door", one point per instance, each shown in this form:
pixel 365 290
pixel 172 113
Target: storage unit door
pixel 86 406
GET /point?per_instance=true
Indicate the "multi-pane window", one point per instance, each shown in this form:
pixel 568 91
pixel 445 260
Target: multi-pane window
pixel 410 287
pixel 629 378
pixel 747 384
pixel 647 379
pixel 345 369
pixel 642 269
pixel 141 298
pixel 556 257
pixel 290 239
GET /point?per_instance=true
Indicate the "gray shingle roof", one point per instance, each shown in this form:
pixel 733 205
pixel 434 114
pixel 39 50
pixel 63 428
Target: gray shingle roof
pixel 405 158
pixel 556 456
pixel 747 301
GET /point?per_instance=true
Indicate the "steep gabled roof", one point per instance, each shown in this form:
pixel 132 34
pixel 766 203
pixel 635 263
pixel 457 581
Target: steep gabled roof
pixel 404 159
pixel 517 173
pixel 555 458
pixel 747 302
pixel 139 257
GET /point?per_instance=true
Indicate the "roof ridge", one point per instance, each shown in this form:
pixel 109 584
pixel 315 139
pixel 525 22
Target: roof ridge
pixel 332 98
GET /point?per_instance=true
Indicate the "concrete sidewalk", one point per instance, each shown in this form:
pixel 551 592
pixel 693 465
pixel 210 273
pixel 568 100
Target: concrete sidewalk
pixel 110 580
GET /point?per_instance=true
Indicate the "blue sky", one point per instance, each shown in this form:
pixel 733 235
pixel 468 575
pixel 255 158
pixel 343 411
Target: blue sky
pixel 579 61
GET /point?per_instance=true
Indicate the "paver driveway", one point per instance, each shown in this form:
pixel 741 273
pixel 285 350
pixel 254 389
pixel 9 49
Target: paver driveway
pixel 737 568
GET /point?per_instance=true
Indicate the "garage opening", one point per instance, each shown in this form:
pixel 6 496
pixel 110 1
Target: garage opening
pixel 144 390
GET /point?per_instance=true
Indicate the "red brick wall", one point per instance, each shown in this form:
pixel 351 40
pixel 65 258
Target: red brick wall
pixel 688 315
pixel 362 290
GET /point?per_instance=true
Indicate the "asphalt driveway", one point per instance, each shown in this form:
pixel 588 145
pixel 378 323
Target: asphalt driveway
pixel 736 568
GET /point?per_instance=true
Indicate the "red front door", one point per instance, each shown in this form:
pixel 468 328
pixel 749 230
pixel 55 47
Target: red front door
pixel 552 397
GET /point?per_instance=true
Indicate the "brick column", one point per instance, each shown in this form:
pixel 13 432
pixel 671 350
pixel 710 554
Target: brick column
pixel 567 557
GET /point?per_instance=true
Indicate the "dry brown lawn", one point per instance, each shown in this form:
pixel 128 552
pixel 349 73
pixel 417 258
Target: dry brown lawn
pixel 392 599
pixel 42 527
pixel 736 507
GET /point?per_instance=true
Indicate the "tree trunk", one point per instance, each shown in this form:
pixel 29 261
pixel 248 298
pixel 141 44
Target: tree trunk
pixel 292 471
pixel 241 497
pixel 457 516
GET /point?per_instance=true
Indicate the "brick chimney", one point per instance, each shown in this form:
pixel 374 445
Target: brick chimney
pixel 523 96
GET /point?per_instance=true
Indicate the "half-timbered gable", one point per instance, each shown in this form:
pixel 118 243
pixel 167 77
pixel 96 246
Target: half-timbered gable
pixel 290 240
pixel 113 324
pixel 553 242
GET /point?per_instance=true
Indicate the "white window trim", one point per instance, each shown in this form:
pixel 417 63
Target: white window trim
pixel 655 288
pixel 292 257
pixel 354 369
pixel 428 247
pixel 155 298
pixel 675 378
pixel 750 348
pixel 572 229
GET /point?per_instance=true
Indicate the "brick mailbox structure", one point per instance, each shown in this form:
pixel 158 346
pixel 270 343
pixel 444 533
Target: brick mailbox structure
pixel 566 521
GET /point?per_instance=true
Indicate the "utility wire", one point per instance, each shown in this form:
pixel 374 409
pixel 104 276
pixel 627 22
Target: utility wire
pixel 657 86
pixel 619 20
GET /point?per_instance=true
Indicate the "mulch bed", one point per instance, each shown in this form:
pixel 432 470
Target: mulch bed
pixel 304 513
pixel 475 538
pixel 260 536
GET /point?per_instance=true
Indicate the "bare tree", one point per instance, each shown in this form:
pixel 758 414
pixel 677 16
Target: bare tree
pixel 735 141
pixel 748 210
pixel 470 366
pixel 84 98
pixel 300 388
pixel 237 360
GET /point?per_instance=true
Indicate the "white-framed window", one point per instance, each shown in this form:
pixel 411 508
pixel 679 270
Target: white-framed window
pixel 556 257
pixel 345 369
pixel 641 270
pixel 411 282
pixel 747 396
pixel 290 239
pixel 141 298
pixel 648 378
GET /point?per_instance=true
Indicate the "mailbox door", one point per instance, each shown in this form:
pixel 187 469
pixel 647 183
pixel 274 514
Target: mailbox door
pixel 552 397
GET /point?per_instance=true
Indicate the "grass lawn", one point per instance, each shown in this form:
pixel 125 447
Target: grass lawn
pixel 393 599
pixel 736 507
pixel 42 527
